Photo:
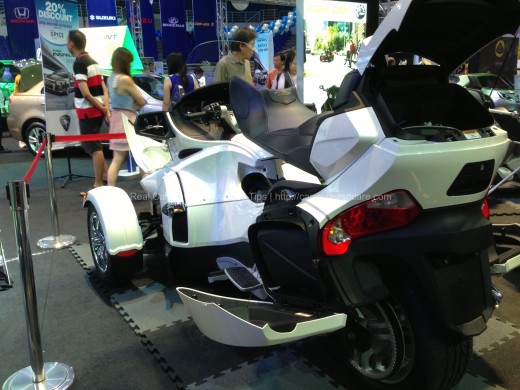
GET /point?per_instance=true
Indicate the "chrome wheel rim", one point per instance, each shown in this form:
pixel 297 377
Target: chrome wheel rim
pixel 97 242
pixel 33 137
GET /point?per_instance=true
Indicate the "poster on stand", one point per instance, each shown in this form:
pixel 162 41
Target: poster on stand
pixel 55 20
pixel 332 32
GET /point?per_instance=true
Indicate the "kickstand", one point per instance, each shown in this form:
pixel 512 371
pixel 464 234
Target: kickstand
pixel 5 279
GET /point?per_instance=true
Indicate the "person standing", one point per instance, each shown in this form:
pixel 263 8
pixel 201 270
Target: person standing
pixel 236 62
pixel 124 99
pixel 278 62
pixel 90 100
pixel 177 76
pixel 198 73
pixel 287 78
pixel 3 121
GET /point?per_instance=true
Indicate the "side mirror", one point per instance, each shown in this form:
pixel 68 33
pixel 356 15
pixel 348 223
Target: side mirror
pixel 155 125
pixel 322 88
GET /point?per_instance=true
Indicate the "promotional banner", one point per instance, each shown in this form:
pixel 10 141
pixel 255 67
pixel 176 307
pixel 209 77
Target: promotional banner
pixel 103 41
pixel 55 20
pixel 205 28
pixel 264 50
pixel 22 27
pixel 147 26
pixel 101 13
pixel 173 27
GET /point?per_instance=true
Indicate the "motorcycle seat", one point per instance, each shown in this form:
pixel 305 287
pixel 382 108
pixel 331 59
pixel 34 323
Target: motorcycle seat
pixel 277 121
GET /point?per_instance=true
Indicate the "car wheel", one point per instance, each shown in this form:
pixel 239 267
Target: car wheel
pixel 32 136
pixel 113 270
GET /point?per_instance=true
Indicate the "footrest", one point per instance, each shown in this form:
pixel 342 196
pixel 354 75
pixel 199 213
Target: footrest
pixel 242 278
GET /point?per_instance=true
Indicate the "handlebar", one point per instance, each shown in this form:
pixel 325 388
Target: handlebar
pixel 196 115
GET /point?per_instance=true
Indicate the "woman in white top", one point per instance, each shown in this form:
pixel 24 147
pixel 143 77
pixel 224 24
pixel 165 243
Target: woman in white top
pixel 286 78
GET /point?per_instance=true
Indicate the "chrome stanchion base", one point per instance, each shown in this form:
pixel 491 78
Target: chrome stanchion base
pixel 57 376
pixel 53 242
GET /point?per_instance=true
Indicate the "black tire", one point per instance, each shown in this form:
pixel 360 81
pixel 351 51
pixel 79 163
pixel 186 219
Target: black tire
pixel 32 134
pixel 113 270
pixel 405 347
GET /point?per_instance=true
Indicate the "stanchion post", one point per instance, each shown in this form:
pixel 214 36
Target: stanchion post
pixel 56 241
pixel 61 376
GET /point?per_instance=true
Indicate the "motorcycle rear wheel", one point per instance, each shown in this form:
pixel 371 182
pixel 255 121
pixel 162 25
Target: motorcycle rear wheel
pixel 398 344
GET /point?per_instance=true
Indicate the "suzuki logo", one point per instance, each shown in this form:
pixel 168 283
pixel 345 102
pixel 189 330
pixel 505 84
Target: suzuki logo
pixel 21 13
pixel 173 20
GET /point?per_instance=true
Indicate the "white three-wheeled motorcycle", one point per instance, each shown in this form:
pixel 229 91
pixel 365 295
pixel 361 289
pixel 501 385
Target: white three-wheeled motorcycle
pixel 391 247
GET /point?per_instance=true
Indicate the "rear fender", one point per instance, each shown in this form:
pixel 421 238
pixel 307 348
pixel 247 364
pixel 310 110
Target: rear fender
pixel 118 218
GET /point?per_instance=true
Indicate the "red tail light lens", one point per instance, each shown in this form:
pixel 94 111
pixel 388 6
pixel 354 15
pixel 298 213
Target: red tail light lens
pixel 485 208
pixel 389 211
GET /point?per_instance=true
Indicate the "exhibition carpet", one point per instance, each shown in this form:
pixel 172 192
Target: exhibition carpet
pixel 141 336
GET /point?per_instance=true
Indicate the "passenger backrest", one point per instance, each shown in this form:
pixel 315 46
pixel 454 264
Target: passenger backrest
pixel 348 85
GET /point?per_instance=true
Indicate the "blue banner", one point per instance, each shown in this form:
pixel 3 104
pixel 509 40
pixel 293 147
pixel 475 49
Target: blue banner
pixel 101 13
pixel 147 26
pixel 205 27
pixel 22 27
pixel 173 27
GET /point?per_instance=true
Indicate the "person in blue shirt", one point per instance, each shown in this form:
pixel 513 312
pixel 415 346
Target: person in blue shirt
pixel 177 76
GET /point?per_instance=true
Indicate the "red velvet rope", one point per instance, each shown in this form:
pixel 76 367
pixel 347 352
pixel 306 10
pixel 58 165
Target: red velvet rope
pixel 30 172
pixel 69 138
pixel 88 137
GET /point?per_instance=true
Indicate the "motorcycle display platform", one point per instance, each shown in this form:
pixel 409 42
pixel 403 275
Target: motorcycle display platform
pixel 160 320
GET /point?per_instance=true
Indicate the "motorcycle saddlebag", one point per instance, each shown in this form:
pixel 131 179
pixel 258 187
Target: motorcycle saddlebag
pixel 282 248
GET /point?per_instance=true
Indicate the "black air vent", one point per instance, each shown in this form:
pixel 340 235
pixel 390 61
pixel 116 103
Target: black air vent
pixel 473 178
pixel 180 227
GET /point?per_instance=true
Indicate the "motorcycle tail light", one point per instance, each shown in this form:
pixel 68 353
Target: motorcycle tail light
pixel 485 208
pixel 389 211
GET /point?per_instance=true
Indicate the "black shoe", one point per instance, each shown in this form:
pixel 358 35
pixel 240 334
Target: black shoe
pixel 4 150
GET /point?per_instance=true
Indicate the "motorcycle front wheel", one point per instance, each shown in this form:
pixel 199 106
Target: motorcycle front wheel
pixel 113 270
pixel 398 344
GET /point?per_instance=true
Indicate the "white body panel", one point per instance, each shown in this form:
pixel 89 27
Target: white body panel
pixel 208 183
pixel 227 322
pixel 118 218
pixel 148 154
pixel 341 139
pixel 393 164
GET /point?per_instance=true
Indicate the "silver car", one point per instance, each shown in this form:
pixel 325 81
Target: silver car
pixel 500 92
pixel 26 120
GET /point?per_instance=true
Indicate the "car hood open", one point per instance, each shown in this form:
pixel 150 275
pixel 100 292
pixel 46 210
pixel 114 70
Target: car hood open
pixel 445 31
